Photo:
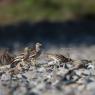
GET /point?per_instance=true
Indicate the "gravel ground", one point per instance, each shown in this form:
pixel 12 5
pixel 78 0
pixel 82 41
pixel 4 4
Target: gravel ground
pixel 45 79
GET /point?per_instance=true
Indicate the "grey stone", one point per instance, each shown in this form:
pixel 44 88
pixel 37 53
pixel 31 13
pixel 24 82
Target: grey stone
pixel 5 77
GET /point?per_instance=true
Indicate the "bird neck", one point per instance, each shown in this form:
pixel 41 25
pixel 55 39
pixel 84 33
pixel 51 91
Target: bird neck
pixel 26 53
pixel 37 48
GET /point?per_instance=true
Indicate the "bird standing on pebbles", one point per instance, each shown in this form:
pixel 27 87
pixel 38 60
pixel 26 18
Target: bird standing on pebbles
pixel 35 52
pixel 58 58
pixel 21 59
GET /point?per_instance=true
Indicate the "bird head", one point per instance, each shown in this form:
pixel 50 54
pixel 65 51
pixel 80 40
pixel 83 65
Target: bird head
pixel 38 46
pixel 26 49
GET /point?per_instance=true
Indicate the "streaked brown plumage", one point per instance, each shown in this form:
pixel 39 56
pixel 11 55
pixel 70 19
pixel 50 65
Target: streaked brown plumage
pixel 22 58
pixel 35 52
pixel 5 57
pixel 29 55
pixel 58 58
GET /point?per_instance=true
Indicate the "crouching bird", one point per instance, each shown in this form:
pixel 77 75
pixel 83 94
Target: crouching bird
pixel 21 59
pixel 58 58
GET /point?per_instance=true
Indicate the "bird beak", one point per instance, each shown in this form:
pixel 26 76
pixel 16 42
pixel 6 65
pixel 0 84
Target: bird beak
pixel 40 45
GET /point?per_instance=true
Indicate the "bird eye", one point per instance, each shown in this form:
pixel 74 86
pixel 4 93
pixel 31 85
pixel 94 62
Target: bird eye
pixel 21 65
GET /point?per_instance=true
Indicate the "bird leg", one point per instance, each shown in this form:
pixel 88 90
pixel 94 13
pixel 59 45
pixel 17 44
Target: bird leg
pixel 33 61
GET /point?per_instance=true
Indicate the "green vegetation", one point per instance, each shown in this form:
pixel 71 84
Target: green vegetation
pixel 53 10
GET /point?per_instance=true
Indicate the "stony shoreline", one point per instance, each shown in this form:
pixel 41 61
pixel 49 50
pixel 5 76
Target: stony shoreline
pixel 46 79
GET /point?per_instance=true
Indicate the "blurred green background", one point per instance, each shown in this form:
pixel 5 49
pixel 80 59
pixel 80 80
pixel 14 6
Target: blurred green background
pixel 36 10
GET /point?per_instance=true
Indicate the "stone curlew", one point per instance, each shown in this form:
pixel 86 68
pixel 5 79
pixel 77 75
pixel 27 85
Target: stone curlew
pixel 21 59
pixel 58 58
pixel 5 57
pixel 35 53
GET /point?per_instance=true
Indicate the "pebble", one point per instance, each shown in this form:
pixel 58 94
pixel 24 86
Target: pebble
pixel 41 80
pixel 5 77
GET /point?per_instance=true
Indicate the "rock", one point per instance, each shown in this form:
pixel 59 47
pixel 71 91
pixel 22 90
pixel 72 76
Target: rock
pixel 19 76
pixel 52 63
pixel 41 70
pixel 91 86
pixel 20 91
pixel 24 77
pixel 86 73
pixel 1 73
pixel 68 65
pixel 32 93
pixel 5 77
pixel 90 66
